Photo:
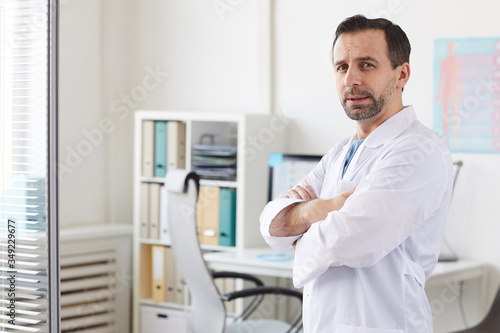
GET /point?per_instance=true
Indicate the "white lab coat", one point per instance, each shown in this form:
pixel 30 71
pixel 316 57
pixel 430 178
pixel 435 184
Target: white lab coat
pixel 364 267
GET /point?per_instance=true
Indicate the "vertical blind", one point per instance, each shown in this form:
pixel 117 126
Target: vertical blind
pixel 25 102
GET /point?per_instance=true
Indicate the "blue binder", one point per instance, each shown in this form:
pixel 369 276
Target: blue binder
pixel 227 217
pixel 160 149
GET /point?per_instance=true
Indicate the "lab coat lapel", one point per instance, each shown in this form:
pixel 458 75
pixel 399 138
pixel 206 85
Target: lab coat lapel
pixel 333 181
pixel 356 164
pixel 339 167
pixel 334 173
pixel 345 183
pixel 386 132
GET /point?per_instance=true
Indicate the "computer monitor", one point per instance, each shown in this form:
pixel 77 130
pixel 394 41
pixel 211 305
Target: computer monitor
pixel 286 170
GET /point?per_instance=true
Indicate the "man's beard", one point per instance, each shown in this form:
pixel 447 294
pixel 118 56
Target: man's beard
pixel 363 112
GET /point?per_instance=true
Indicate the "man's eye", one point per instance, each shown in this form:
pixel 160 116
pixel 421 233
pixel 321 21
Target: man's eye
pixel 367 65
pixel 341 68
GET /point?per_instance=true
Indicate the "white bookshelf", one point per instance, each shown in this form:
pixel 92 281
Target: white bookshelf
pixel 255 135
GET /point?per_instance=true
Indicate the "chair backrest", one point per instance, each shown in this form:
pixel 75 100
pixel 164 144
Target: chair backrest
pixel 492 321
pixel 207 311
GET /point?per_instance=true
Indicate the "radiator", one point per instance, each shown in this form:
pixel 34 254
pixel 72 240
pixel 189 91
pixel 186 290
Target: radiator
pixel 95 281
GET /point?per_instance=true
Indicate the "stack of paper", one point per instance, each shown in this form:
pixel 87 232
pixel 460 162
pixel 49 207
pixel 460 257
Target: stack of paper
pixel 215 161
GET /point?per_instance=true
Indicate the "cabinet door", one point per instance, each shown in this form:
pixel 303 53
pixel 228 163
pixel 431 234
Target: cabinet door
pixel 160 320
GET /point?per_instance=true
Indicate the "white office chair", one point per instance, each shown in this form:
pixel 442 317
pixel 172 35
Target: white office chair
pixel 207 310
pixel 491 323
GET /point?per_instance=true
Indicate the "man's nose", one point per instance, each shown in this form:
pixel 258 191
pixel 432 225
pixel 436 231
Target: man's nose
pixel 352 77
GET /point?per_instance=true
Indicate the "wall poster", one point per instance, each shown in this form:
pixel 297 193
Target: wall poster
pixel 467 93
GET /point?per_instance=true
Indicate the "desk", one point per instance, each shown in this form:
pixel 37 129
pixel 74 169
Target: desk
pixel 460 270
pixel 247 262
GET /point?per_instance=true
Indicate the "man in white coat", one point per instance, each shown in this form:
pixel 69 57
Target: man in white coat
pixel 368 220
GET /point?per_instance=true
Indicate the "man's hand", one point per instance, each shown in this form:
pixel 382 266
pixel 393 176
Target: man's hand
pixel 336 202
pixel 297 218
pixel 304 193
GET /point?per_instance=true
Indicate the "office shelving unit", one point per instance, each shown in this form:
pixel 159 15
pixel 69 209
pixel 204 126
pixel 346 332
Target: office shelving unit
pixel 255 136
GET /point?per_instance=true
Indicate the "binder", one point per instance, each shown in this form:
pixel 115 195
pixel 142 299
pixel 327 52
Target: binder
pixel 176 145
pixel 158 255
pixel 229 287
pixel 164 231
pixel 207 215
pixel 144 211
pixel 227 217
pixel 160 144
pixel 148 136
pixel 179 286
pixel 171 276
pixel 154 210
pixel 145 272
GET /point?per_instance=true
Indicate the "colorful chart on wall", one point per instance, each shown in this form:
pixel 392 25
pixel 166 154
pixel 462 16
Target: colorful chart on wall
pixel 467 93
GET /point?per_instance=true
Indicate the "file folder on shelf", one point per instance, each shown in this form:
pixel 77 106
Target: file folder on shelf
pixel 227 217
pixel 164 233
pixel 160 167
pixel 179 286
pixel 144 210
pixel 148 145
pixel 145 272
pixel 171 289
pixel 154 210
pixel 176 145
pixel 158 256
pixel 207 215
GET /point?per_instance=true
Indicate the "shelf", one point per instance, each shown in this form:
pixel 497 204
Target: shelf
pixel 254 135
pixel 203 182
pixel 162 304
pixel 153 242
pixel 217 248
pixel 160 180
pixel 204 247
pixel 219 183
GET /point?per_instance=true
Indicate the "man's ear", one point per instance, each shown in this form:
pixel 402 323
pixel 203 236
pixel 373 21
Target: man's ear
pixel 404 74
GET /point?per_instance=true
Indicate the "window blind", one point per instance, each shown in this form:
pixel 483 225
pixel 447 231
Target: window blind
pixel 25 125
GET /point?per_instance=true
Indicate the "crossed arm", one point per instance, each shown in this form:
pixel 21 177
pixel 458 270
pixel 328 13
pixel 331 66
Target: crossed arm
pixel 296 219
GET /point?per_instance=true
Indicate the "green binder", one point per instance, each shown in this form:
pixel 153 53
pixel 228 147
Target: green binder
pixel 160 149
pixel 227 217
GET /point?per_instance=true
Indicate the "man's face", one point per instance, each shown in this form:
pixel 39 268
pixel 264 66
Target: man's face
pixel 365 79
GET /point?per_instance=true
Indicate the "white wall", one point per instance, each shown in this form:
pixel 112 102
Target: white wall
pixel 83 161
pixel 96 53
pixel 119 53
pixel 209 54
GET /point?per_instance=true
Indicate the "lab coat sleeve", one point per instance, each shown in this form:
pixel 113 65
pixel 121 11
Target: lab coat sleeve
pixel 315 180
pixel 267 215
pixel 402 191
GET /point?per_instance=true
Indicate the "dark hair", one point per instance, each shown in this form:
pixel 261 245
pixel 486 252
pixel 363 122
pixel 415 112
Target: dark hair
pixel 398 45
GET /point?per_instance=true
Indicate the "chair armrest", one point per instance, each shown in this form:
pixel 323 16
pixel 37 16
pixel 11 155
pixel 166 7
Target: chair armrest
pixel 262 291
pixel 235 275
pixel 258 295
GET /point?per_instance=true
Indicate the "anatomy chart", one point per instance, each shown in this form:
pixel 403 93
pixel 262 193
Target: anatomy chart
pixel 467 93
